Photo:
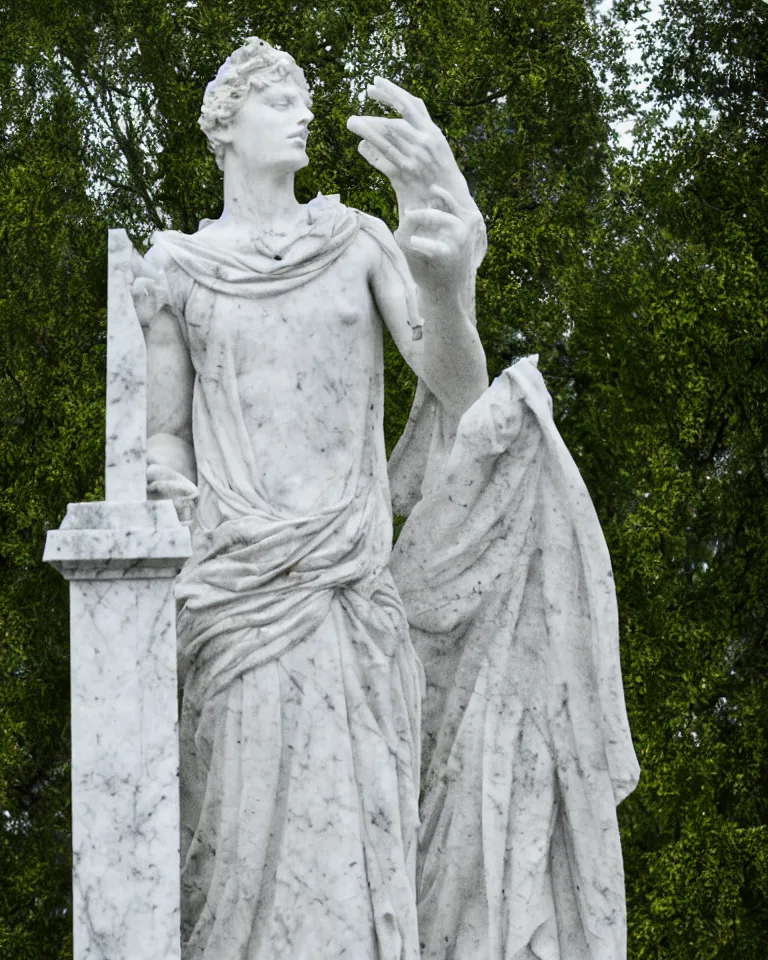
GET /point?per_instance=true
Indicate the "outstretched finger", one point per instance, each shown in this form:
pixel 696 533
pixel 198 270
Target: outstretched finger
pixel 409 107
pixel 384 153
pixel 429 248
pixel 376 159
pixel 377 135
pixel 395 130
pixel 448 199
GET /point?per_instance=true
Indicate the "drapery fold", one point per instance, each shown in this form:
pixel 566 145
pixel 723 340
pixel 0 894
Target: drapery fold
pixel 300 721
pixel 508 588
pixel 301 689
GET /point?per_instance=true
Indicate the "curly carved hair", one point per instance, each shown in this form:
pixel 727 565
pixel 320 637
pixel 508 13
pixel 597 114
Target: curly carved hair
pixel 254 66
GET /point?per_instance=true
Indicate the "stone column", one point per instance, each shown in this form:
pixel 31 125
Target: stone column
pixel 121 557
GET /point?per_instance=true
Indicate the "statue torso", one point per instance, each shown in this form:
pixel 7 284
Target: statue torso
pixel 291 384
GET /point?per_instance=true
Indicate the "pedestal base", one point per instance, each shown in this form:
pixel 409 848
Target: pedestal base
pixel 121 560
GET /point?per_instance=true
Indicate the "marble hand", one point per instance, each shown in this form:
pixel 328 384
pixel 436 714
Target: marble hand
pixel 435 241
pixel 149 290
pixel 171 473
pixel 165 483
pixel 410 150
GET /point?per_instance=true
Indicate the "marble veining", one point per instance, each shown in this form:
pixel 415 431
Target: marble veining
pixel 408 755
pixel 526 753
pixel 124 770
pixel 121 557
pixel 126 448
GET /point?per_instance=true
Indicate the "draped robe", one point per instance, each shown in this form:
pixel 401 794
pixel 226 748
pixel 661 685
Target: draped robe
pixel 300 720
pixel 505 574
pixel 301 689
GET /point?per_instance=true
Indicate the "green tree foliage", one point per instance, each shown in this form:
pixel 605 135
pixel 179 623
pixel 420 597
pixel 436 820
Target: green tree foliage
pixel 52 290
pixel 640 279
pixel 670 423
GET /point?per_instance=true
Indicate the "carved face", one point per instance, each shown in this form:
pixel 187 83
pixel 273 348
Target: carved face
pixel 270 128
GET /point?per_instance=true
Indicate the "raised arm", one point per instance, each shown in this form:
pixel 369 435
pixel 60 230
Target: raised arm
pixel 442 235
pixel 448 355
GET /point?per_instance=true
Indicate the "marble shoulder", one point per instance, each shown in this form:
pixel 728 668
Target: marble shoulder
pixel 158 254
pixel 159 257
pixel 379 233
pixel 374 227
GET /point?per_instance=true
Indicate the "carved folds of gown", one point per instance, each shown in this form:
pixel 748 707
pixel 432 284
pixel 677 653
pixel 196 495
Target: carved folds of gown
pixel 507 581
pixel 300 717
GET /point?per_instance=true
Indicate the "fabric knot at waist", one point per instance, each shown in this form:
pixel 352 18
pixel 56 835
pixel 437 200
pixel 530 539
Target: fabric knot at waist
pixel 257 585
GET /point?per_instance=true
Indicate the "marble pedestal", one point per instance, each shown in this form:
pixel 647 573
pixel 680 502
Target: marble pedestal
pixel 121 559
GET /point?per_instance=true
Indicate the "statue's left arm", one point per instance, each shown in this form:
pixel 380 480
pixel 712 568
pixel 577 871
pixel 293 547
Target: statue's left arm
pixel 447 355
pixel 442 235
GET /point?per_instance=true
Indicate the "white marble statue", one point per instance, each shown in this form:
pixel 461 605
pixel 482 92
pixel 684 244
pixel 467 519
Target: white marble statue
pixel 301 717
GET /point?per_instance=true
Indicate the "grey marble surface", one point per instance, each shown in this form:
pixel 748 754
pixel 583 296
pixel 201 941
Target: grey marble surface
pixel 526 751
pixel 300 719
pixel 140 538
pixel 126 448
pixel 125 809
pixel 327 682
pixel 121 558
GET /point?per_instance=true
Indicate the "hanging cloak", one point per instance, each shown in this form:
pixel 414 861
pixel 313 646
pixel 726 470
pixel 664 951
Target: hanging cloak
pixel 508 587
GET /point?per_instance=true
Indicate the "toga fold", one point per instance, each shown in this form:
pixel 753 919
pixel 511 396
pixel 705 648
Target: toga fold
pixel 301 689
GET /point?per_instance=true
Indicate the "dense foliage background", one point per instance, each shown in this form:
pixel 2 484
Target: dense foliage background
pixel 639 275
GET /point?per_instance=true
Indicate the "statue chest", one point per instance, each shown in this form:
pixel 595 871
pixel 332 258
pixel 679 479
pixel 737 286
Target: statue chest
pixel 327 327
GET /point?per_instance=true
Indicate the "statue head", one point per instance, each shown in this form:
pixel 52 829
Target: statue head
pixel 256 66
